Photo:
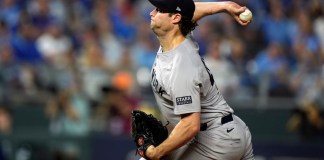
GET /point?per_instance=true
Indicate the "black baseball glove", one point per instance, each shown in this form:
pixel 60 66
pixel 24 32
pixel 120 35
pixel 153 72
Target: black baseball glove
pixel 146 131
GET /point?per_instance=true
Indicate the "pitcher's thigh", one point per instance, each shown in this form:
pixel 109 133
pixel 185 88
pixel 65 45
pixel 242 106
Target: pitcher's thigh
pixel 247 140
pixel 187 153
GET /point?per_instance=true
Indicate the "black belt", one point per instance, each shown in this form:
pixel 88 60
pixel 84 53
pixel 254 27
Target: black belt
pixel 224 120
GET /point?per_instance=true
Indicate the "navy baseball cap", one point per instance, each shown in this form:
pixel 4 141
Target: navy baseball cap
pixel 185 7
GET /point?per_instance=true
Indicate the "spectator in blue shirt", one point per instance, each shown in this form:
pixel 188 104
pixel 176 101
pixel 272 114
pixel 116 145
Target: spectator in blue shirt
pixel 23 44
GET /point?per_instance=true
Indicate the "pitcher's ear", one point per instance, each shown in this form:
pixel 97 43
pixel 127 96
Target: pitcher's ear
pixel 176 18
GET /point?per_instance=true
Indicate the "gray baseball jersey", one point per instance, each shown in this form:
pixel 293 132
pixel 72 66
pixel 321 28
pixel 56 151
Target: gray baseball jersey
pixel 182 84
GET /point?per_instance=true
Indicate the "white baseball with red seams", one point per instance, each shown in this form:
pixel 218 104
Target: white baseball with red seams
pixel 246 15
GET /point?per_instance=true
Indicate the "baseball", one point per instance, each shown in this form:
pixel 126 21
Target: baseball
pixel 246 15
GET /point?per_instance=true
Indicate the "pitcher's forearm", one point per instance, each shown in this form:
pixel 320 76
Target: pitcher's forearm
pixel 183 132
pixel 208 8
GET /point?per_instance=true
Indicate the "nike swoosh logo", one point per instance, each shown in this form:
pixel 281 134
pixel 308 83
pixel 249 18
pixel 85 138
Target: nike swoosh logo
pixel 229 130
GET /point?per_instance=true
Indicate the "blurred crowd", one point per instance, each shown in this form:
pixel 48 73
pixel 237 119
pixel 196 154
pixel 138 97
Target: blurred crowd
pixel 88 61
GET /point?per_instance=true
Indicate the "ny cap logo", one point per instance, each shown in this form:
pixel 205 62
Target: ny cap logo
pixel 178 9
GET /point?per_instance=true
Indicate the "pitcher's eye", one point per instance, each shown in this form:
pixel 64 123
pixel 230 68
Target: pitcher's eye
pixel 159 10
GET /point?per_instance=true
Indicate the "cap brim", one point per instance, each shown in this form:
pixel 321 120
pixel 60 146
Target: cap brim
pixel 160 4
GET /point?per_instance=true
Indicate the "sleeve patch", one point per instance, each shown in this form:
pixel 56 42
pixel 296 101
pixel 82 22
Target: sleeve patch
pixel 184 100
